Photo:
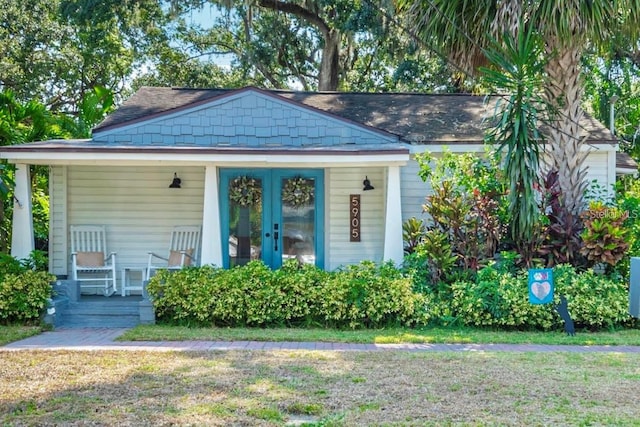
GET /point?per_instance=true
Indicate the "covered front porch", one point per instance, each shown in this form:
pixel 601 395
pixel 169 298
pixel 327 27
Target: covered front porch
pixel 129 194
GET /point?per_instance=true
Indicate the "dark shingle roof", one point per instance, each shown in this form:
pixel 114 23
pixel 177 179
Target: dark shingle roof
pixel 416 118
pixel 625 161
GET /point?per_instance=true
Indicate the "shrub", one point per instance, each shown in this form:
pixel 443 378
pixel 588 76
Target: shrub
pixel 595 301
pixel 24 295
pixel 500 299
pixel 10 265
pixel 370 295
pixel 365 295
pixel 303 286
pixel 415 265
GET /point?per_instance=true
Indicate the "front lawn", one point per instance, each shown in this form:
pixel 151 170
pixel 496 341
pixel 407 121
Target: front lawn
pixel 276 388
pixel 390 335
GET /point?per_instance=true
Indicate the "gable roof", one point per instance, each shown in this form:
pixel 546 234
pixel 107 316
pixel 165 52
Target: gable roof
pixel 414 118
pixel 625 164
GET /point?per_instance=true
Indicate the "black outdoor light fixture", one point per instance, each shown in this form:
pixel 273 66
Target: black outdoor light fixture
pixel 367 184
pixel 176 181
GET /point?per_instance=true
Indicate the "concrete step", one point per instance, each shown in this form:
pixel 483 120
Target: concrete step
pixel 101 313
pixel 110 310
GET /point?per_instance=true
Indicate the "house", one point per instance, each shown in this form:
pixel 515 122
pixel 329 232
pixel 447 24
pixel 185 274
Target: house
pixel 327 178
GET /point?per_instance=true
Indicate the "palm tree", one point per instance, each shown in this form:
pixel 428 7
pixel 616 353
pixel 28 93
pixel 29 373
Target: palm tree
pixel 464 28
pixel 19 123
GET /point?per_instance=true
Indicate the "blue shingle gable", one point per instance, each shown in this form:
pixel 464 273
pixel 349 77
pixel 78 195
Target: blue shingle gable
pixel 248 118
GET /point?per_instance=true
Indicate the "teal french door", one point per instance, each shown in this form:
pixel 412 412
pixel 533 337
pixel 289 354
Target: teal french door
pixel 272 215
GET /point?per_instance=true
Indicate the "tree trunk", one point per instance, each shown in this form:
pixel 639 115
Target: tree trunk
pixel 565 134
pixel 507 19
pixel 329 63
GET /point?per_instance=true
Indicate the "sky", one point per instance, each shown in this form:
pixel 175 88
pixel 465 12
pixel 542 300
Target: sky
pixel 204 17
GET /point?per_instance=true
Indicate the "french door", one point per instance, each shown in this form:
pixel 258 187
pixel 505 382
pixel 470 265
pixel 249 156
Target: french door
pixel 272 215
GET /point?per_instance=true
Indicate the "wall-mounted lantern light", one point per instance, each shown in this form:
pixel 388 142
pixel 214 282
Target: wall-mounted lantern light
pixel 176 181
pixel 367 184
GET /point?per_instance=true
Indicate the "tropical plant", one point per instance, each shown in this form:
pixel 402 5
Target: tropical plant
pixel 465 207
pixel 94 106
pixel 464 28
pixel 21 122
pixel 518 69
pixel 605 239
pixel 412 231
pixel 562 232
pixel 436 248
pixel 5 181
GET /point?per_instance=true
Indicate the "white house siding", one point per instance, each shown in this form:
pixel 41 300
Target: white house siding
pixel 58 220
pixel 136 205
pixel 341 182
pixel 251 120
pixel 599 170
pixel 414 190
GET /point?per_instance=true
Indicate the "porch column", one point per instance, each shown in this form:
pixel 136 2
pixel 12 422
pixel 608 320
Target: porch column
pixel 211 239
pixel 22 240
pixel 393 247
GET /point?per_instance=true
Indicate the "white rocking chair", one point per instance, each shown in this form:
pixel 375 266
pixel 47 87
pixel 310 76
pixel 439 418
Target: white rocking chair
pixel 183 251
pixel 90 264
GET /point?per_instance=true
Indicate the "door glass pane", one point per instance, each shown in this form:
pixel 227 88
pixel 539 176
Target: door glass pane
pixel 298 219
pixel 245 220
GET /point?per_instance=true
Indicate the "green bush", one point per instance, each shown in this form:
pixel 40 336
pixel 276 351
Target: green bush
pixel 498 299
pixel 10 265
pixel 185 296
pixel 501 299
pixel 24 295
pixel 595 301
pixel 374 295
pixel 365 295
pixel 251 295
pixel 371 295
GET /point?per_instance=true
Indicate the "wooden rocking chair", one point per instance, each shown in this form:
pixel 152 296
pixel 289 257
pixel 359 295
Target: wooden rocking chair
pixel 90 264
pixel 183 250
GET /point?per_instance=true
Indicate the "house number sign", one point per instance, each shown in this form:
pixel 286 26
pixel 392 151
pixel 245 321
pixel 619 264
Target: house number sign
pixel 354 218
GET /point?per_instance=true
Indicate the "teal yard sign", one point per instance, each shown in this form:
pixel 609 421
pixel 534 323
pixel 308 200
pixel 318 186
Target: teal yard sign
pixel 540 286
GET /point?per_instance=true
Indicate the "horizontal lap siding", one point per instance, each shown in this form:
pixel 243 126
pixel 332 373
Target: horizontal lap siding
pixel 341 183
pixel 136 205
pixel 598 170
pixel 414 191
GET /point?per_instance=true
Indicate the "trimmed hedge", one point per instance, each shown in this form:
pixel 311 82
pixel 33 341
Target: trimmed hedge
pixel 363 295
pixel 24 295
pixel 369 295
pixel 501 299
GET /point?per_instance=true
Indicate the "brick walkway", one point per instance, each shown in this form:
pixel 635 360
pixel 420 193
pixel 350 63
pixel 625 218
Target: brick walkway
pixel 94 339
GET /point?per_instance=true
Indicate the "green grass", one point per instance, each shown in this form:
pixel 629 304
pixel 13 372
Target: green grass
pixel 14 333
pixel 276 388
pixel 381 336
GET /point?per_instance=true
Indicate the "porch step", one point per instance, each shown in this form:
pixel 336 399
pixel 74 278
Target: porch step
pixel 102 313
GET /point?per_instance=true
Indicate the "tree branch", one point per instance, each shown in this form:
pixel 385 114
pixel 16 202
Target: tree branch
pixel 299 11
